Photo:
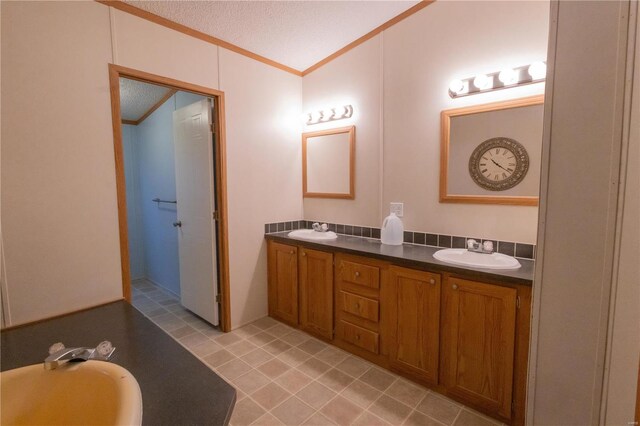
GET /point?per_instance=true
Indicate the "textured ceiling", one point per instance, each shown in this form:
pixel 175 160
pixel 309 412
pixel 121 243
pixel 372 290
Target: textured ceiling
pixel 295 33
pixel 136 98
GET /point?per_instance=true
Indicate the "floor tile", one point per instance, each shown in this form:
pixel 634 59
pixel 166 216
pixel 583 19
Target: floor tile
pixel 293 380
pixel 361 393
pixel 313 367
pixel 390 410
pixel 369 419
pixel 206 348
pixel 246 412
pixel 241 348
pixel 273 368
pixel 439 408
pixel 267 420
pixel 416 418
pixel 251 381
pixel 270 395
pixel 318 420
pixel 335 380
pixel 316 395
pixel 233 369
pixel 332 356
pixel 294 357
pixel 353 366
pixel 276 347
pixel 227 339
pixel 467 418
pixel 341 411
pixel 218 358
pixel 280 330
pixel 193 340
pixel 211 332
pixel 265 323
pixel 293 411
pixel 182 331
pixel 247 330
pixel 312 346
pixel 378 379
pixel 406 392
pixel 156 312
pixel 261 338
pixel 257 357
pixel 295 338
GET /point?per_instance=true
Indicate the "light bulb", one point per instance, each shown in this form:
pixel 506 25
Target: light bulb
pixel 339 112
pixel 315 116
pixel 538 70
pixel 327 114
pixel 456 86
pixel 508 76
pixel 482 82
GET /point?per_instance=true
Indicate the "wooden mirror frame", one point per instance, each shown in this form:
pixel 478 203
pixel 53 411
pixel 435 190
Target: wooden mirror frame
pixel 351 131
pixel 445 127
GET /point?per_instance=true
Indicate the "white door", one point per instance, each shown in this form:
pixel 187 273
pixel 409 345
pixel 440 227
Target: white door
pixel 193 142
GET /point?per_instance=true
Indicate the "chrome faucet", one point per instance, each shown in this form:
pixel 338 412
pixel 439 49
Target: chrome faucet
pixel 60 355
pixel 478 247
pixel 320 228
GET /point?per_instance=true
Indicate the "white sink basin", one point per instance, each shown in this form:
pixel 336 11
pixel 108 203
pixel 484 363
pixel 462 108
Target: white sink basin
pixel 311 235
pixel 464 257
pixel 83 393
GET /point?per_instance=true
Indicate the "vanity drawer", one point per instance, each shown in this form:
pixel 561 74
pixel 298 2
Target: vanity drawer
pixel 361 337
pixel 362 307
pixel 358 273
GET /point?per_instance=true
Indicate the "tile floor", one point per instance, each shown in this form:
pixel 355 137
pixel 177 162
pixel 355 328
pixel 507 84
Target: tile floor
pixel 286 377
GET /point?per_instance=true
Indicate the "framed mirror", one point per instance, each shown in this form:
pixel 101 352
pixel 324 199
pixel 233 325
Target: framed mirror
pixel 490 154
pixel 328 163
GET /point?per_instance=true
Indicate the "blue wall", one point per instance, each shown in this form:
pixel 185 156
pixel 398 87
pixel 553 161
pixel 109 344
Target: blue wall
pixel 154 158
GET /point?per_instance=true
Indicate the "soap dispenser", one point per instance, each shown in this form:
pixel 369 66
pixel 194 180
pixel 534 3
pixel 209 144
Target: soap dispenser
pixel 392 231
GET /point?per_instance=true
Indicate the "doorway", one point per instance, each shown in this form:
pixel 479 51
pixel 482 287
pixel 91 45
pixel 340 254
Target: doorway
pixel 171 187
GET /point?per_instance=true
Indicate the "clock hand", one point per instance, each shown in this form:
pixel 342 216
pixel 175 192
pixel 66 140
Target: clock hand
pixel 494 162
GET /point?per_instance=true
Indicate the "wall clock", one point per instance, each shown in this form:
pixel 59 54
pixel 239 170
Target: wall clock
pixel 498 164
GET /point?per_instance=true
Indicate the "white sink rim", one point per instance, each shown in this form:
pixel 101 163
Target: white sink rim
pixel 311 235
pixel 464 257
pixel 129 396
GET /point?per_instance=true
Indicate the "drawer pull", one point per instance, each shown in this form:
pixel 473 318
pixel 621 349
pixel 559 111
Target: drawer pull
pixel 455 286
pixel 357 306
pixel 304 254
pixel 357 337
pixel 432 281
pixel 291 252
pixel 357 274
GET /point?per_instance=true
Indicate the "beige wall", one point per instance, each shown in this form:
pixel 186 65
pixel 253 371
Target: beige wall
pixel 59 213
pixel 406 80
pixel 579 209
pixel 352 79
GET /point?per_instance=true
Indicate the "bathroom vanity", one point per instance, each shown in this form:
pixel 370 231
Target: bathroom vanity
pixel 176 387
pixel 460 331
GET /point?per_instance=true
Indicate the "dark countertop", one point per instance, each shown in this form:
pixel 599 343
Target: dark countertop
pixel 411 255
pixel 177 388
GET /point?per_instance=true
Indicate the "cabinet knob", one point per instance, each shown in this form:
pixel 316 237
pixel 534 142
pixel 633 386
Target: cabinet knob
pixel 357 337
pixel 291 252
pixel 357 305
pixel 454 286
pixel 432 281
pixel 357 274
pixel 304 254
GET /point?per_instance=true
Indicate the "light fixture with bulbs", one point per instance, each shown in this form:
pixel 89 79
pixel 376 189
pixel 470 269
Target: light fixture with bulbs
pixel 329 114
pixel 504 79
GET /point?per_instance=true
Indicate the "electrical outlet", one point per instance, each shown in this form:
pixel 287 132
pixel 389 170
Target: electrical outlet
pixel 397 208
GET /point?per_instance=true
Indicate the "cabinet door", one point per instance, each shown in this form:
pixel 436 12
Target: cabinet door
pixel 415 322
pixel 316 292
pixel 283 282
pixel 478 342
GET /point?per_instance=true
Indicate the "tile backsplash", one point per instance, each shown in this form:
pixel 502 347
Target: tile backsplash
pixel 521 250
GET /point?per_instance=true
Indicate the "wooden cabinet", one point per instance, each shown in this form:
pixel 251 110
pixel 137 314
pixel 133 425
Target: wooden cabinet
pixel 479 322
pixel 358 304
pixel 283 282
pixel 414 303
pixel 316 291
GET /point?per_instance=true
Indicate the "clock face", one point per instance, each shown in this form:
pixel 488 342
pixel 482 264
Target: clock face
pixel 498 164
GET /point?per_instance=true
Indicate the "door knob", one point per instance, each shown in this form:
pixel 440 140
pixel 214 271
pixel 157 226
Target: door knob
pixel 177 224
